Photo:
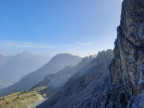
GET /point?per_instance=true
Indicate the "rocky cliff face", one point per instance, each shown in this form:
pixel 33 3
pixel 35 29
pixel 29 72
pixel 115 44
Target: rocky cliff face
pixel 127 69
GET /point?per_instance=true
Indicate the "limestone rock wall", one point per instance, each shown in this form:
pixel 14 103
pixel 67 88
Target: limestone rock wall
pixel 127 69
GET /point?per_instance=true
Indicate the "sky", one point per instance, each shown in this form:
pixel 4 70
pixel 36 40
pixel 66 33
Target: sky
pixel 80 27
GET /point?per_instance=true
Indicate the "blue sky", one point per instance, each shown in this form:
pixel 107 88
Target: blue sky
pixel 80 27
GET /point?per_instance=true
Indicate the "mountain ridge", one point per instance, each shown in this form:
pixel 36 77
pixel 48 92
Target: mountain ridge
pixel 58 62
pixel 83 85
pixel 12 68
pixel 52 83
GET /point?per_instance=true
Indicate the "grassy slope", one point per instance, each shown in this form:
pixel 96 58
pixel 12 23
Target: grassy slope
pixel 20 99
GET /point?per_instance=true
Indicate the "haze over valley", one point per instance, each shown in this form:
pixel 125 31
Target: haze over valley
pixel 13 68
pixel 72 54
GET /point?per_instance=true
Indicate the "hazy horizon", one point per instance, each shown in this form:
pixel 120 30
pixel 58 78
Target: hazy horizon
pixel 78 27
pixel 47 55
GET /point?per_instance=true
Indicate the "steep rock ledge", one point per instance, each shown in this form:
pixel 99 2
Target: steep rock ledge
pixel 127 69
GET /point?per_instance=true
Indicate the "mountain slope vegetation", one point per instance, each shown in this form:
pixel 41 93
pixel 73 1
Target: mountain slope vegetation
pixel 20 99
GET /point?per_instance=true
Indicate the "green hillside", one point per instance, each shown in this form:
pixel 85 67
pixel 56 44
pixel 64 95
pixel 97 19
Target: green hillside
pixel 20 99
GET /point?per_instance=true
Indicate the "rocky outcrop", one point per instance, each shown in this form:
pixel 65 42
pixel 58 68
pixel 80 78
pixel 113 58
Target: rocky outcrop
pixel 52 83
pixel 87 88
pixel 127 69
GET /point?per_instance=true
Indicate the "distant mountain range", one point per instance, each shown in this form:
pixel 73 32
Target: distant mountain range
pixel 13 68
pixel 57 63
pixel 52 83
pixel 85 86
pixel 68 81
pixel 114 79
